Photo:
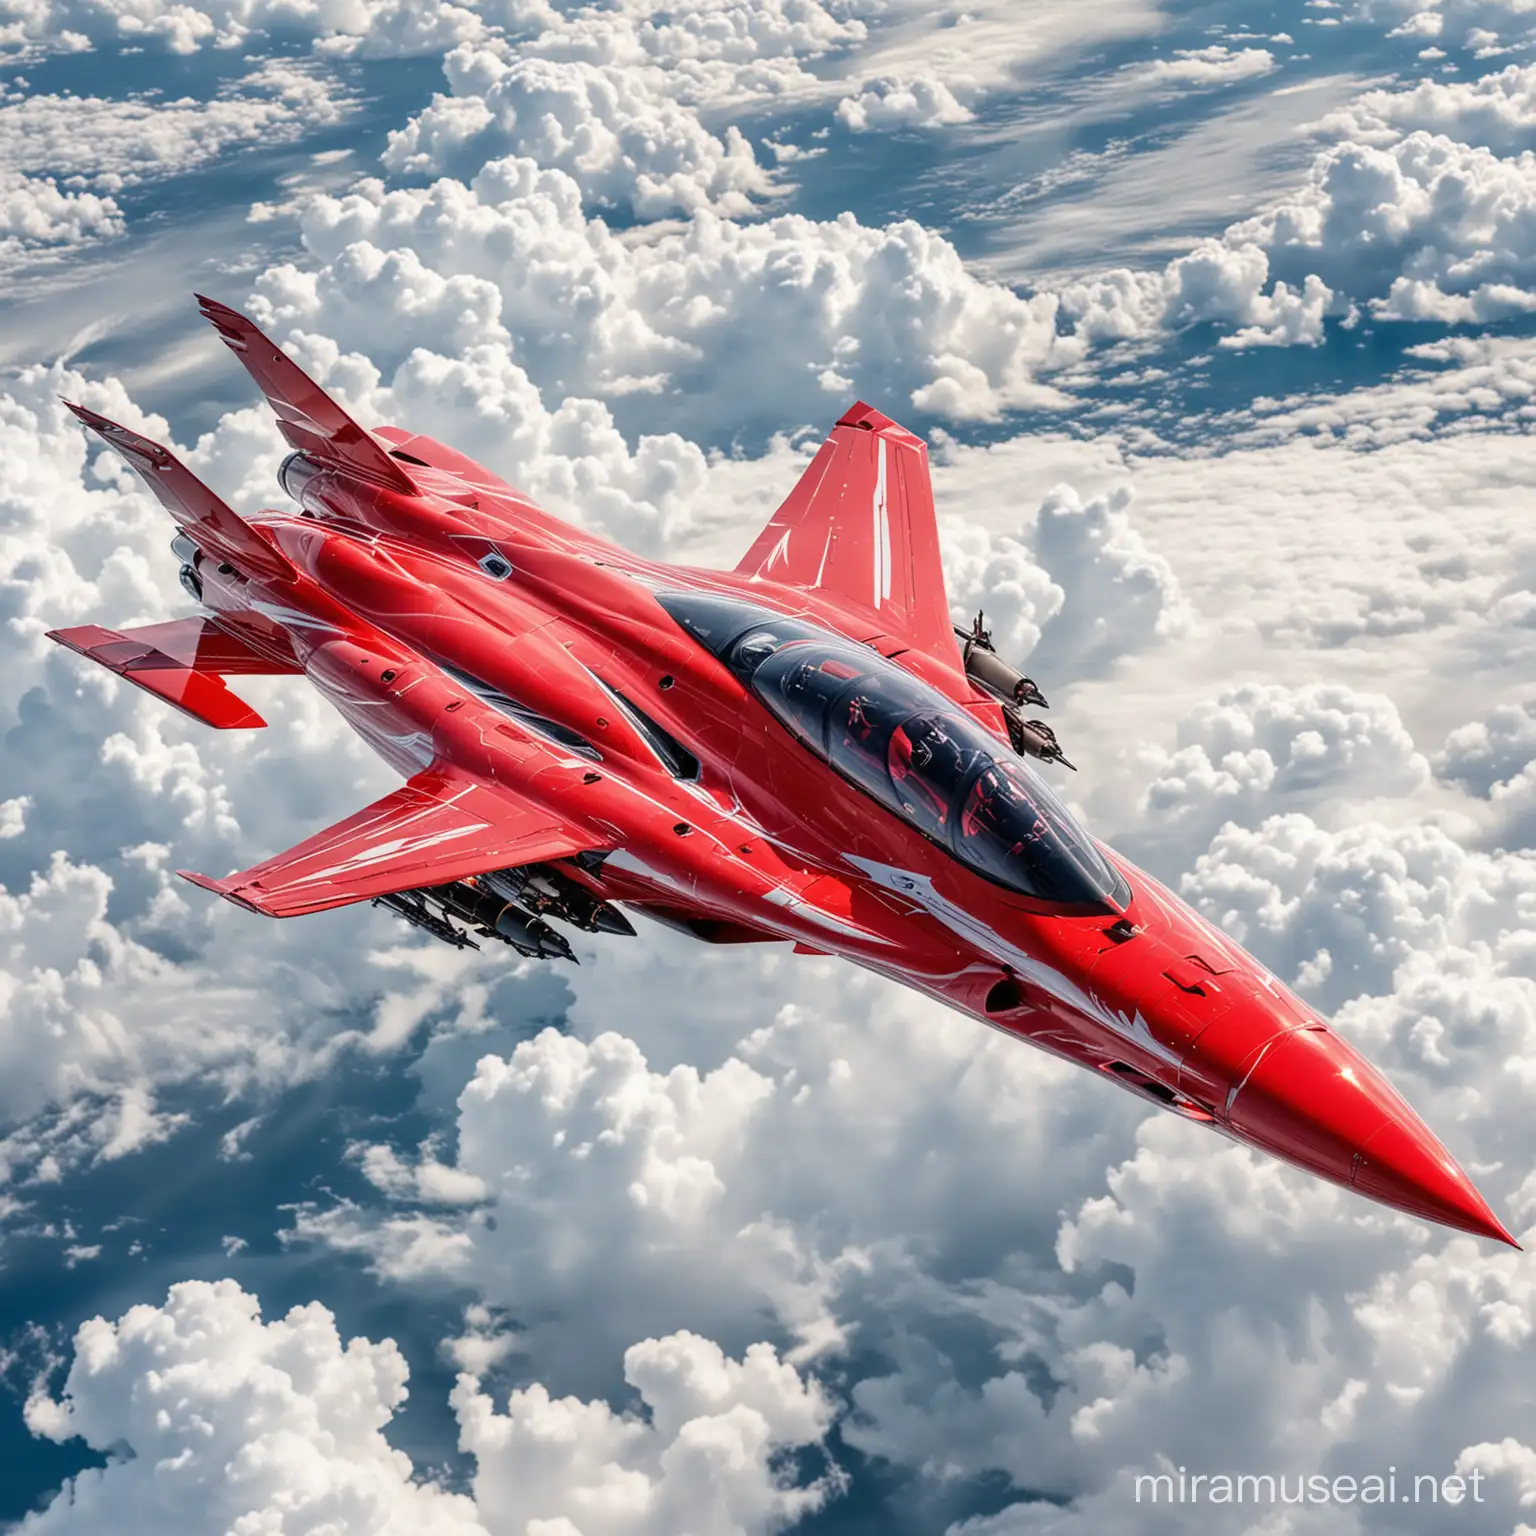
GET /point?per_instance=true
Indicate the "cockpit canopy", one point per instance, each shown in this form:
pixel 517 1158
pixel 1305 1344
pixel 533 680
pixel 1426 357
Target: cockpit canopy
pixel 907 746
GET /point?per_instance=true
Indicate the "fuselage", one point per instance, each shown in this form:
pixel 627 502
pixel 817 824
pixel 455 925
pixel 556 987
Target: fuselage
pixel 465 624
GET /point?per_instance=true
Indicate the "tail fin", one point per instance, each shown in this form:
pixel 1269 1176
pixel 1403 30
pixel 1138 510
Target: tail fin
pixel 216 527
pixel 306 415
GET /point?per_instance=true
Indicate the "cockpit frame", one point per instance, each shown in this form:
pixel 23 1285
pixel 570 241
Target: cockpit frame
pixel 908 747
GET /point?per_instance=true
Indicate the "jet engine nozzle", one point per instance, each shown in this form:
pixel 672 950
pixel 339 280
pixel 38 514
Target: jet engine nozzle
pixel 294 473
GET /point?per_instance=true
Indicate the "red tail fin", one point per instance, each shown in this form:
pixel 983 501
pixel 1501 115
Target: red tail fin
pixel 306 415
pixel 217 528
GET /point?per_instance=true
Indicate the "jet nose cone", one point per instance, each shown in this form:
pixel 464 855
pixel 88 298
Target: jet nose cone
pixel 1314 1101
pixel 1404 1166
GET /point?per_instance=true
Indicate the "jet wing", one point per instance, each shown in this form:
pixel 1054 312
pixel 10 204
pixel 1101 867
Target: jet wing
pixel 860 525
pixel 438 827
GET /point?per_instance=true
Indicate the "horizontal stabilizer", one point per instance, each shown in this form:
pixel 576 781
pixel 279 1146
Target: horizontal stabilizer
pixel 306 415
pixel 212 524
pixel 202 644
pixel 180 662
pixel 440 826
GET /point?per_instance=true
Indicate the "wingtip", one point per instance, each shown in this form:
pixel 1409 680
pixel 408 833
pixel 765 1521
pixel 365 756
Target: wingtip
pixel 226 889
pixel 206 882
pixel 84 414
pixel 102 426
pixel 221 315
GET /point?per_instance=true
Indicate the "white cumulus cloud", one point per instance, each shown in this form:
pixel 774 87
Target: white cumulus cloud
pixel 894 101
pixel 215 1421
pixel 708 1455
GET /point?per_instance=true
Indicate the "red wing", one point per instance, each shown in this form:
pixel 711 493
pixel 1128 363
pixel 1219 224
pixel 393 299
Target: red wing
pixel 438 827
pixel 860 524
pixel 181 662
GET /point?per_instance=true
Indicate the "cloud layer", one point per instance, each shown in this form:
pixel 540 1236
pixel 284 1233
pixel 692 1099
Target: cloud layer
pixel 749 1225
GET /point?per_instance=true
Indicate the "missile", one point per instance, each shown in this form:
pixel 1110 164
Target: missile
pixel 988 670
pixel 410 906
pixel 546 890
pixel 492 914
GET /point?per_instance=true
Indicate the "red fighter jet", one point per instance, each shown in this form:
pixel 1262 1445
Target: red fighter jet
pixel 802 749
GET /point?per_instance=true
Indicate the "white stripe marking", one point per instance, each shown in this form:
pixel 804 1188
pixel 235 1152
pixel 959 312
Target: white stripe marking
pixel 882 530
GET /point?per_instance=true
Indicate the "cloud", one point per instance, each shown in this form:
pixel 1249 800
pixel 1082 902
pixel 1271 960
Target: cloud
pixel 894 101
pixel 638 321
pixel 214 1420
pixel 1424 229
pixel 104 144
pixel 35 212
pixel 989 46
pixel 1196 67
pixel 1223 281
pixel 1074 591
pixel 1119 596
pixel 1491 751
pixel 1497 111
pixel 392 29
pixel 643 1198
pixel 13 815
pixel 630 144
pixel 1259 746
pixel 1401 217
pixel 1420 24
pixel 96 1016
pixel 998 574
pixel 1345 910
pixel 736 319
pixel 1494 759
pixel 717 1448
pixel 704 52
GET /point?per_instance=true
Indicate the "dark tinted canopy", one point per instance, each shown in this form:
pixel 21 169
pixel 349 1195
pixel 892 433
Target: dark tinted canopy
pixel 909 747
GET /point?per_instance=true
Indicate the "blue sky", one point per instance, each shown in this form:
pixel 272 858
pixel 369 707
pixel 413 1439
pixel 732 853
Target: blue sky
pixel 1218 322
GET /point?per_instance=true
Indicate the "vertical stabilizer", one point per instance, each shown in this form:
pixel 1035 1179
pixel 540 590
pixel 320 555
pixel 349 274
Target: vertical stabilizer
pixel 213 525
pixel 306 415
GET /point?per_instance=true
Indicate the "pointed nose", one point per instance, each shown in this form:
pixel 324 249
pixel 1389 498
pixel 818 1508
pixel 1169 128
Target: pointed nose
pixel 1404 1166
pixel 1314 1101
